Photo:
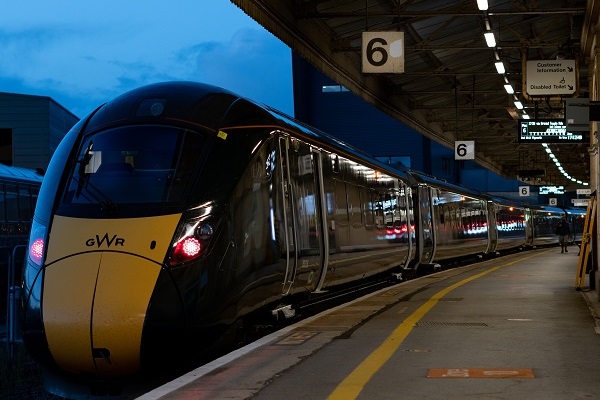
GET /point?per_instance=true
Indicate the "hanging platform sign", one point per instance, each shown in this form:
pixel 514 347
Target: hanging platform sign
pixel 464 150
pixel 551 78
pixel 383 52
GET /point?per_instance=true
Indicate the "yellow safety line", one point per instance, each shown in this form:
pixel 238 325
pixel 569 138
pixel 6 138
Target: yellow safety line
pixel 354 383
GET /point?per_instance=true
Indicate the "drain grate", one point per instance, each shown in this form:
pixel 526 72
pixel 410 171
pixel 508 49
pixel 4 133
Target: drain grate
pixel 456 324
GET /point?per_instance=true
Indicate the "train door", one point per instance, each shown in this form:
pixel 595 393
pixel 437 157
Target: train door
pixel 305 201
pixel 426 244
pixel 287 217
pixel 492 227
pixel 410 224
pixel 529 226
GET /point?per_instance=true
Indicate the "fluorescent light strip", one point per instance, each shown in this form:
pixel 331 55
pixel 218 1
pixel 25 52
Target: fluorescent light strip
pixel 560 167
pixel 490 39
pixel 491 42
pixel 500 67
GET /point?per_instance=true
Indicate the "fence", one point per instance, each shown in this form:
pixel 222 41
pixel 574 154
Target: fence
pixel 11 273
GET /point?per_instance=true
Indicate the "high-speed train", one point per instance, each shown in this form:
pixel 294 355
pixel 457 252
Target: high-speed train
pixel 173 212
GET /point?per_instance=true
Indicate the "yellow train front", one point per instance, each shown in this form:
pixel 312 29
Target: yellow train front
pixel 133 266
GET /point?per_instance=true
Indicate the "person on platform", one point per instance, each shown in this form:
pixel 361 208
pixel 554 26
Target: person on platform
pixel 563 231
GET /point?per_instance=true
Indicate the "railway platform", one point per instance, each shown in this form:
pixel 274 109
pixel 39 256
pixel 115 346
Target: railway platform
pixel 513 327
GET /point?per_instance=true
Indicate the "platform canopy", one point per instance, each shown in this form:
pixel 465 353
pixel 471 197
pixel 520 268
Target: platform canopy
pixel 450 89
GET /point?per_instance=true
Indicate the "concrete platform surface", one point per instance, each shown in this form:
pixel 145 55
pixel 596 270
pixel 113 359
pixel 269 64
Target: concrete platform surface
pixel 509 328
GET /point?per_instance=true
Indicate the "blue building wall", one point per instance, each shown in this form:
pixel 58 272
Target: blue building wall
pixel 344 115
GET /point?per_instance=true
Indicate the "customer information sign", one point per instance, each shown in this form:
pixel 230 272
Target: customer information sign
pixel 551 78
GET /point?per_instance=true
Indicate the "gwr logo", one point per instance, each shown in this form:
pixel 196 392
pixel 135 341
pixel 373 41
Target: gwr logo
pixel 108 241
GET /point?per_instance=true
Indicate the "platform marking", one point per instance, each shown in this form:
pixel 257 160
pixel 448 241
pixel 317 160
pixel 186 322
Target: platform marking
pixel 355 382
pixel 480 373
pixel 520 319
pixel 298 337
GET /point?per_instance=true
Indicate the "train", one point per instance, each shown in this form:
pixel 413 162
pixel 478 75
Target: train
pixel 19 188
pixel 174 212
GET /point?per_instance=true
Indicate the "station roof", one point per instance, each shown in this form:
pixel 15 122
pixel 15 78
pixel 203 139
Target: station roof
pixel 450 89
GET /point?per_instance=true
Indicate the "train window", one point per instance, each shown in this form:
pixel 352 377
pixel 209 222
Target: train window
pixel 442 214
pixel 11 202
pixel 377 209
pixel 367 206
pixel 335 164
pixel 341 203
pixel 389 206
pixel 136 164
pixel 354 204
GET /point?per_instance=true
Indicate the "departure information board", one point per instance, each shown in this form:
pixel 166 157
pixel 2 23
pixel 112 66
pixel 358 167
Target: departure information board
pixel 547 131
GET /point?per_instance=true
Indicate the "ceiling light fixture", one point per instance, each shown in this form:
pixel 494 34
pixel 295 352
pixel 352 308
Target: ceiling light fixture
pixel 490 39
pixel 500 67
pixel 560 167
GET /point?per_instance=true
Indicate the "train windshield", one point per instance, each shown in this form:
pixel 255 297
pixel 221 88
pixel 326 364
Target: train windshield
pixel 133 165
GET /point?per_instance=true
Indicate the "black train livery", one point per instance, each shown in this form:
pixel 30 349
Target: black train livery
pixel 174 211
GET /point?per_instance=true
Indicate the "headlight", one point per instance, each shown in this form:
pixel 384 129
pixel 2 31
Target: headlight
pixel 37 243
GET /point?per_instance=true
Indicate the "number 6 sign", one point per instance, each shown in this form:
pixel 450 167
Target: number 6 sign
pixel 464 150
pixel 383 52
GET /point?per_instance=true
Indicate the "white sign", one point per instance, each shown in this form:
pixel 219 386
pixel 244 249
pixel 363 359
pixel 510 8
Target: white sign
pixel 523 191
pixel 579 202
pixel 553 201
pixel 584 191
pixel 383 52
pixel 551 77
pixel 464 150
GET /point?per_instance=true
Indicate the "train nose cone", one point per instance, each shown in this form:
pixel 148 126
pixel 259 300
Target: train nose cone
pixel 96 292
pixel 94 310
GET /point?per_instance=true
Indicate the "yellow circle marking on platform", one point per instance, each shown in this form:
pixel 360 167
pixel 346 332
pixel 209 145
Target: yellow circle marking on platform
pixel 354 383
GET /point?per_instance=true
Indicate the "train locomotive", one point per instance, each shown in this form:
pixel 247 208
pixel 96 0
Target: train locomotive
pixel 173 212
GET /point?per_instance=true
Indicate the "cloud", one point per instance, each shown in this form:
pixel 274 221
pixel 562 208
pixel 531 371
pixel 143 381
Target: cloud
pixel 253 64
pixel 82 62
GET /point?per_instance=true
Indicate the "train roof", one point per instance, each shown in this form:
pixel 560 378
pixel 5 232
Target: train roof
pixel 544 208
pixel 335 143
pixel 18 174
pixel 216 108
pixel 505 201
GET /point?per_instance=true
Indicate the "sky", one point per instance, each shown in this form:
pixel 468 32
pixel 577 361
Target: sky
pixel 84 53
